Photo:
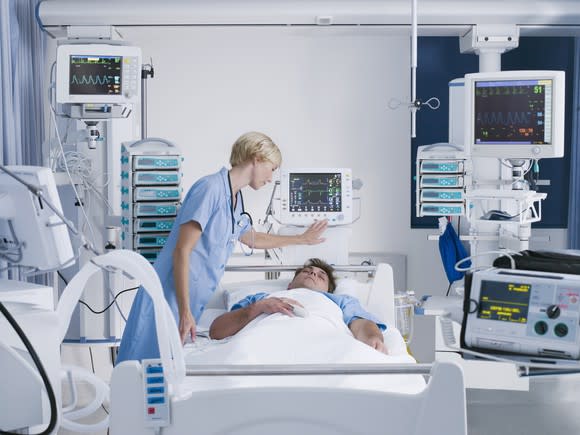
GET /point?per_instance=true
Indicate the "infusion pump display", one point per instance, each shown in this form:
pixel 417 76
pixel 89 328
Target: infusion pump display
pixel 98 73
pixel 315 194
pixel 525 312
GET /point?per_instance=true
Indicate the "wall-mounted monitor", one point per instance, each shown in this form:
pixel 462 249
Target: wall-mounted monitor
pixel 515 114
pixel 309 194
pixel 98 74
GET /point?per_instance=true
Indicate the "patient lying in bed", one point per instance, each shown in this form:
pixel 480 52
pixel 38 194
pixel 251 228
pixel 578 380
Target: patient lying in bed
pixel 311 291
pixel 264 329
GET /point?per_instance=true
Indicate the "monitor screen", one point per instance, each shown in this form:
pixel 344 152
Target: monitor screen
pixel 515 114
pixel 315 192
pixel 98 74
pixel 95 75
pixel 513 111
pixel 505 301
pixel 309 194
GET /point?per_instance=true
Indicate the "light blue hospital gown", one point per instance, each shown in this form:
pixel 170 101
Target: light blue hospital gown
pixel 350 307
pixel 208 202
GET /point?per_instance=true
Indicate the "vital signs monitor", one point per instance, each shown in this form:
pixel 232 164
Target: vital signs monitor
pixel 524 312
pixel 98 73
pixel 515 114
pixel 309 194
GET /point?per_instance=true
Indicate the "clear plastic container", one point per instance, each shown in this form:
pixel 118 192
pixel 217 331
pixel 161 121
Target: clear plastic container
pixel 404 312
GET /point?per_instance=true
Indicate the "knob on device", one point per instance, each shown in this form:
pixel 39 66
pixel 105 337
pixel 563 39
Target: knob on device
pixel 553 311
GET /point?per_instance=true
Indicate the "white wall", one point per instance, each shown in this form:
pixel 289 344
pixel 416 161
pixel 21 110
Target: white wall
pixel 321 93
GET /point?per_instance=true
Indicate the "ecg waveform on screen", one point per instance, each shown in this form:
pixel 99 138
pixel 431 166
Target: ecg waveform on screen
pixel 93 80
pixel 510 114
pixel 315 193
pixel 95 75
pixel 503 118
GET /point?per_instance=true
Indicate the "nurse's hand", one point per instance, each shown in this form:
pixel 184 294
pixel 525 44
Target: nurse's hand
pixel 186 326
pixel 312 235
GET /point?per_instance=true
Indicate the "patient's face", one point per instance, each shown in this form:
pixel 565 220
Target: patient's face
pixel 311 277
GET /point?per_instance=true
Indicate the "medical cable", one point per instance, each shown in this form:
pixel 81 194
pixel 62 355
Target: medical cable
pixel 40 194
pixel 448 289
pixel 111 304
pixel 18 246
pixel 108 306
pixel 449 339
pixel 47 385
pixel 80 165
pixel 77 196
pixel 507 253
pixel 243 213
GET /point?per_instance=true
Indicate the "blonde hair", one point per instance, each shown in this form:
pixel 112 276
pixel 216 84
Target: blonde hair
pixel 255 145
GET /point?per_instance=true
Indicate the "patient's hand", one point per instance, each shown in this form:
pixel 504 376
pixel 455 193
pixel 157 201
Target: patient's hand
pixel 278 305
pixel 368 332
pixel 377 343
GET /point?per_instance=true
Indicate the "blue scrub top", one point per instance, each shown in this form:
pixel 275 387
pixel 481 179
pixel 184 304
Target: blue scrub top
pixel 208 202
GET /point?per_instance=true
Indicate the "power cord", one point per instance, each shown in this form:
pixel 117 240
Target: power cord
pixel 108 306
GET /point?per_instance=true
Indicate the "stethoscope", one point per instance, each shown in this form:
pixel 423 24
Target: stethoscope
pixel 242 222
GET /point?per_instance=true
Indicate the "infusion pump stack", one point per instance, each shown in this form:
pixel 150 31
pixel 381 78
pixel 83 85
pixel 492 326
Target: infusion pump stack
pixel 309 194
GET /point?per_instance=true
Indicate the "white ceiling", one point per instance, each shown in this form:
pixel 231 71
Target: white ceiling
pixel 435 17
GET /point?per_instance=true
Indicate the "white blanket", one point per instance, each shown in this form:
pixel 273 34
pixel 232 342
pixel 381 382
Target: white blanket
pixel 319 338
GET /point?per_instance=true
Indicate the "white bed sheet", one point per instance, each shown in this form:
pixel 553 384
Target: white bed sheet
pixel 320 338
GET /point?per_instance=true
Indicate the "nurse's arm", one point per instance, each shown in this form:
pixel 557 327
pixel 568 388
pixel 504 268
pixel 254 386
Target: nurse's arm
pixel 312 236
pixel 189 234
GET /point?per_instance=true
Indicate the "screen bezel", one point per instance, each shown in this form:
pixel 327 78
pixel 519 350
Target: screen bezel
pixel 510 150
pixel 343 217
pixel 63 59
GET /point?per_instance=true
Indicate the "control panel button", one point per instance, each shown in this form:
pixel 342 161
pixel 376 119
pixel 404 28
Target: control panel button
pixel 553 311
pixel 561 330
pixel 541 327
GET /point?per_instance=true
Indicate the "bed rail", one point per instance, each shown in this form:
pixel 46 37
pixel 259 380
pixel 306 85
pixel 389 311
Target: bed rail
pixel 307 369
pixel 272 271
pixel 292 268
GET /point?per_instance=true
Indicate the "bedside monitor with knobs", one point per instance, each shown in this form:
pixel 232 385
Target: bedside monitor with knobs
pixel 524 312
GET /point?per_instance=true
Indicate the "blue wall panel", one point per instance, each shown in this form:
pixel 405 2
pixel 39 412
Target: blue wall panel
pixel 439 61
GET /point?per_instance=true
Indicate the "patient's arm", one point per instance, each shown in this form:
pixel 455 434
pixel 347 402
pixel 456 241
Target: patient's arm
pixel 369 333
pixel 231 322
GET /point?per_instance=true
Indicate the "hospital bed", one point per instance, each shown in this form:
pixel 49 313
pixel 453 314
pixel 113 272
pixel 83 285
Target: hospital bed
pixel 372 396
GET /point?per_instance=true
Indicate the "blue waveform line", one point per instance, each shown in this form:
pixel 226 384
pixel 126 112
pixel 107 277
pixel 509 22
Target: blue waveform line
pixel 91 80
pixel 502 118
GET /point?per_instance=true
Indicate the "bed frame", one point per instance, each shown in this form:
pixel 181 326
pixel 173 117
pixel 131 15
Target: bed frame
pixel 439 408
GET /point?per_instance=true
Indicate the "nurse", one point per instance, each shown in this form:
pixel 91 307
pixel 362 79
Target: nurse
pixel 206 228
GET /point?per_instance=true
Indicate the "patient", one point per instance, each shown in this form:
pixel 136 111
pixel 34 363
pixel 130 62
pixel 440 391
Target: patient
pixel 315 275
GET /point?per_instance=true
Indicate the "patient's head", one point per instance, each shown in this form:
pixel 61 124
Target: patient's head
pixel 314 275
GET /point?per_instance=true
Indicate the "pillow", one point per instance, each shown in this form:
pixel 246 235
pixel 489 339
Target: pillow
pixel 235 292
pixel 352 287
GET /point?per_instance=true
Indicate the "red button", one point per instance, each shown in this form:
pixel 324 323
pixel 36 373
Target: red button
pixel 151 410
